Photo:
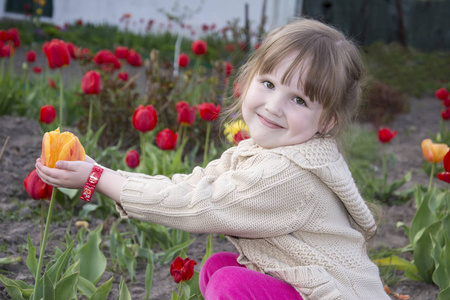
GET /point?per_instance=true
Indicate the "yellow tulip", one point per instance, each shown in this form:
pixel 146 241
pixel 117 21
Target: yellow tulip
pixel 234 127
pixel 432 152
pixel 60 146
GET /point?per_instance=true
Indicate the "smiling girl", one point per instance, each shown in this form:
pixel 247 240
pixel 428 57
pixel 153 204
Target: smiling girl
pixel 285 197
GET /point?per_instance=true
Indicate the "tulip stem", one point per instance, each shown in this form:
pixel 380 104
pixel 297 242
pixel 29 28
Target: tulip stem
pixel 142 135
pixel 44 239
pixel 164 163
pixel 205 154
pixel 180 291
pixel 60 99
pixel 431 176
pixel 42 221
pixel 2 68
pixel 91 103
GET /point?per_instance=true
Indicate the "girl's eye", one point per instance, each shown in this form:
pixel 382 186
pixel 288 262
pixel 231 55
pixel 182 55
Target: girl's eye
pixel 299 101
pixel 268 85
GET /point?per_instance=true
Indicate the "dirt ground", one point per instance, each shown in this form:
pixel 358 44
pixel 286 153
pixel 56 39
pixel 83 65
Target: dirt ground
pixel 24 147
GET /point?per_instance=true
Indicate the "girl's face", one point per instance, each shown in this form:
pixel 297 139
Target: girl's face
pixel 279 115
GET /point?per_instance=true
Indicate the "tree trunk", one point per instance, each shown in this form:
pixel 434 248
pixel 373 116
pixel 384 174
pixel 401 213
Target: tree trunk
pixel 401 24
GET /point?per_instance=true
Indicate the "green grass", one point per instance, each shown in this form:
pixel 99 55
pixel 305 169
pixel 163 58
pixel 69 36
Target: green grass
pixel 409 71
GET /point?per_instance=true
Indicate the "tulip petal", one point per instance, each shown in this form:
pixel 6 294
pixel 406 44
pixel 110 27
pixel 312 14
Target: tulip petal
pixel 447 161
pixel 444 176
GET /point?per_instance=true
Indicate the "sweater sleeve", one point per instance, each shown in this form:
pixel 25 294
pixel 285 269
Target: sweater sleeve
pixel 253 197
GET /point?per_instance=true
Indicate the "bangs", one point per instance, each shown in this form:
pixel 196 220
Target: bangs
pixel 314 68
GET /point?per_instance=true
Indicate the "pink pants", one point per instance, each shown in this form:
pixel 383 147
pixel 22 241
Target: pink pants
pixel 222 278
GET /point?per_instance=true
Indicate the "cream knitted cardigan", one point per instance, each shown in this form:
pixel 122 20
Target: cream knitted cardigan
pixel 292 212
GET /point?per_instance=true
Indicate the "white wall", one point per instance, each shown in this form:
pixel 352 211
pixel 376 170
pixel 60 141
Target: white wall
pixel 209 11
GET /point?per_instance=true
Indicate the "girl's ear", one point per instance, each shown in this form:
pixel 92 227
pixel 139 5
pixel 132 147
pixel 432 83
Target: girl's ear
pixel 328 126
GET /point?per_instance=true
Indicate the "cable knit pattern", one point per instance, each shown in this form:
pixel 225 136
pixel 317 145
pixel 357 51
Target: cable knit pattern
pixel 292 212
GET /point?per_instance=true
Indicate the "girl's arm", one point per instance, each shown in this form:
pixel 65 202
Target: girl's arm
pixel 74 174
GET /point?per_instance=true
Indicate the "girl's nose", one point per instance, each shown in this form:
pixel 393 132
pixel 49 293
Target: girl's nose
pixel 274 106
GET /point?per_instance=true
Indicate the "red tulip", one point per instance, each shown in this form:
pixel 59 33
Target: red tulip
pixel 79 22
pixel 182 269
pixel 123 76
pixel 37 69
pixel 445 114
pixel 183 60
pixel 36 188
pixel 51 83
pixel 13 36
pixel 47 114
pixel 3 36
pixel 385 135
pixel 240 136
pixel 199 47
pixel 73 50
pixel 446 101
pixel 91 83
pixel 208 111
pixel 83 53
pixel 228 69
pixel 134 58
pixel 185 115
pixel 230 47
pixel 445 176
pixel 242 46
pixel 145 118
pixel 5 51
pixel 106 58
pixel 30 56
pixel 121 52
pixel 57 54
pixel 167 139
pixel 132 159
pixel 441 93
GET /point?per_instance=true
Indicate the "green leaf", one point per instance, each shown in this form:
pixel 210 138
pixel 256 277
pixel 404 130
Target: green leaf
pixel 10 260
pixel 49 288
pixel 209 248
pixel 124 293
pixel 92 260
pixel 124 255
pixel 66 288
pixel 397 262
pixel 440 275
pixel 103 291
pixel 56 270
pixel 170 253
pixel 444 294
pixel 12 287
pixel 422 252
pixel 149 274
pixel 424 216
pixel 71 193
pixel 194 287
pixel 31 258
pixel 85 287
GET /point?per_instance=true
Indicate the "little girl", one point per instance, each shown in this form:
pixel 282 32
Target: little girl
pixel 285 197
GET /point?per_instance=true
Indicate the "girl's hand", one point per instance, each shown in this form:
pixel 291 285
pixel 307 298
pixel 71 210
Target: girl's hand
pixel 67 174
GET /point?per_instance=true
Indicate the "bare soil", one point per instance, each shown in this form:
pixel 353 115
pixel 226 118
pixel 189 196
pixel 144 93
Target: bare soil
pixel 20 215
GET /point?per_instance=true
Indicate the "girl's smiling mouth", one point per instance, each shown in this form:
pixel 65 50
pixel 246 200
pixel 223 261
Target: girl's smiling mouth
pixel 268 123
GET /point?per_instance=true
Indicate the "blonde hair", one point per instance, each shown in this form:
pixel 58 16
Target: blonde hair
pixel 329 66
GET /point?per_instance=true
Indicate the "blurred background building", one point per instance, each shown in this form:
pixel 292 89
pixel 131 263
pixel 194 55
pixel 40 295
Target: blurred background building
pixel 421 24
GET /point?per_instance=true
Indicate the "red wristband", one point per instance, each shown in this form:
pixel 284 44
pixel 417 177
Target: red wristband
pixel 91 182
